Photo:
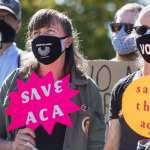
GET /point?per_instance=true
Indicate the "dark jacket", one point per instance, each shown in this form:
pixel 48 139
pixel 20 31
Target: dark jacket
pixel 90 101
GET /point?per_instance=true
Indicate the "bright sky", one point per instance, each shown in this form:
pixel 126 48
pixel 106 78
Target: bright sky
pixel 141 1
pixel 144 1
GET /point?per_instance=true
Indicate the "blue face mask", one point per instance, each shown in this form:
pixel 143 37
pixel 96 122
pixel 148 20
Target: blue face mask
pixel 123 42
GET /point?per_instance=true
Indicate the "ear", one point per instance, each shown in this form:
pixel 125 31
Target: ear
pixel 68 41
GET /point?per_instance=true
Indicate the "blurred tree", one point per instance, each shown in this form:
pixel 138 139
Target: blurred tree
pixel 29 7
pixel 90 18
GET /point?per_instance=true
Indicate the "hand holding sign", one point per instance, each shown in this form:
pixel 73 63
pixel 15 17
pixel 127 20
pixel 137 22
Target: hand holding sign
pixel 41 101
pixel 136 106
pixel 24 140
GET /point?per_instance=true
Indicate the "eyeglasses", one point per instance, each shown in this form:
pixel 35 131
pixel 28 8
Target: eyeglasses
pixel 141 30
pixel 116 27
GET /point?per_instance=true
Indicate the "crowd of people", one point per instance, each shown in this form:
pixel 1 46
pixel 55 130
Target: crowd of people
pixel 54 44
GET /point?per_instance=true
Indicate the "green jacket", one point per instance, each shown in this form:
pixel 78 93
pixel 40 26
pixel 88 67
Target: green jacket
pixel 76 138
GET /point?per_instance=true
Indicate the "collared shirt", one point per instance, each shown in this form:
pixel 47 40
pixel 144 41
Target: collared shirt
pixel 8 61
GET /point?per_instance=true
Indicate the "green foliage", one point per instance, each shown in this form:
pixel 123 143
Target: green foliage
pixel 89 17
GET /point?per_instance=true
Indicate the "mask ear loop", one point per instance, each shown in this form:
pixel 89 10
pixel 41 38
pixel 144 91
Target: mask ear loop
pixel 1 40
pixel 62 43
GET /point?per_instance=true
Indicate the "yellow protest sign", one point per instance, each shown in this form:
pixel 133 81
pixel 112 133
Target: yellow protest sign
pixel 136 106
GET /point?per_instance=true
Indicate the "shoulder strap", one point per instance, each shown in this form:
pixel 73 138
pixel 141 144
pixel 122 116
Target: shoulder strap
pixel 128 80
pixel 19 60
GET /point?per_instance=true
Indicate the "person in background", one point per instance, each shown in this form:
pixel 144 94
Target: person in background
pixel 54 43
pixel 120 136
pixel 120 32
pixel 10 24
pixel 123 40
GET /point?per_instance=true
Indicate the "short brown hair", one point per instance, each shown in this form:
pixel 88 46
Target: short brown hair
pixel 45 17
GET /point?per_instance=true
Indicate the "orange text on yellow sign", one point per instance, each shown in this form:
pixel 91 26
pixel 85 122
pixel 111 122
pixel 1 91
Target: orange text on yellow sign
pixel 136 106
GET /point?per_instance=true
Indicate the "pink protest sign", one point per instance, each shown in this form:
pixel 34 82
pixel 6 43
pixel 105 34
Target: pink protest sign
pixel 41 101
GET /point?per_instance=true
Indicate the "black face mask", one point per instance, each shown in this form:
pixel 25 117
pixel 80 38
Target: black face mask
pixel 143 44
pixel 7 33
pixel 47 49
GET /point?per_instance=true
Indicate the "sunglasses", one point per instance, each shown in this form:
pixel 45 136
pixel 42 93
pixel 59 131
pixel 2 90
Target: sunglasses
pixel 116 27
pixel 141 30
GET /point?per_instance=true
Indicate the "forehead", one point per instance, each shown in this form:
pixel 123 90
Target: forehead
pixel 4 12
pixel 45 21
pixel 51 29
pixel 53 25
pixel 126 17
pixel 145 19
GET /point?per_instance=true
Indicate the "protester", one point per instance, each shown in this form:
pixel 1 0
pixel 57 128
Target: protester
pixel 142 28
pixel 123 40
pixel 120 136
pixel 48 24
pixel 10 23
pixel 120 32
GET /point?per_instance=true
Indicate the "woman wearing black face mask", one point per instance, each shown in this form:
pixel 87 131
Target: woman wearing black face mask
pixel 120 133
pixel 53 41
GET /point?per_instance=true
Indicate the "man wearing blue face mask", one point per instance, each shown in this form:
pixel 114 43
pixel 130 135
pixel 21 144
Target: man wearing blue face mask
pixel 122 40
pixel 118 135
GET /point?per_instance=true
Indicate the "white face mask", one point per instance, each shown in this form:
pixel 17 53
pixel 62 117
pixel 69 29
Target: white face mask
pixel 123 42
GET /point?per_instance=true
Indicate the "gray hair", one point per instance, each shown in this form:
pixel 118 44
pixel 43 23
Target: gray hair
pixel 130 7
pixel 144 11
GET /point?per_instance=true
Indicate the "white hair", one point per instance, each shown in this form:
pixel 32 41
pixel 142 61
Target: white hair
pixel 144 11
pixel 130 7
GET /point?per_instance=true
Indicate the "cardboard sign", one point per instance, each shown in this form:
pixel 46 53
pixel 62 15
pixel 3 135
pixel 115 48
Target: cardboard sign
pixel 41 101
pixel 136 106
pixel 106 73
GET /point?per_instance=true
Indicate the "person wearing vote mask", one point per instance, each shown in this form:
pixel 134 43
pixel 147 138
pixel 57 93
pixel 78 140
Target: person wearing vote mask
pixel 142 28
pixel 120 31
pixel 120 135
